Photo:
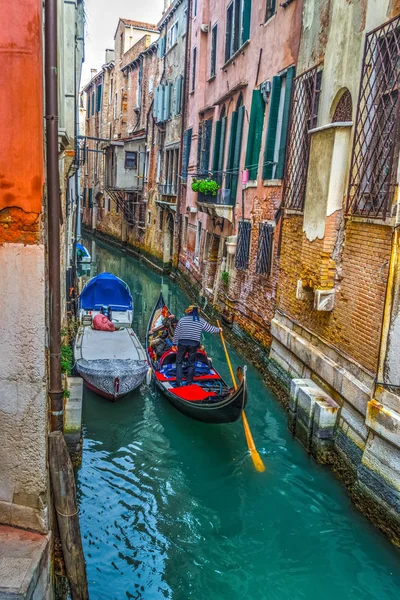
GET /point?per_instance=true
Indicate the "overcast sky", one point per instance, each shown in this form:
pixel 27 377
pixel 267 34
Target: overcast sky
pixel 102 20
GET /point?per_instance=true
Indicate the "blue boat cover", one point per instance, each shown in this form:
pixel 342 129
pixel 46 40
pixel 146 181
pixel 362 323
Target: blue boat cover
pixel 106 290
pixel 82 249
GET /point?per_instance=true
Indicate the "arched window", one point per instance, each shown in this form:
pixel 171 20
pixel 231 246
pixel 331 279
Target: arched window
pixel 343 111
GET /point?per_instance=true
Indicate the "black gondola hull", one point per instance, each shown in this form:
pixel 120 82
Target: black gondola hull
pixel 226 410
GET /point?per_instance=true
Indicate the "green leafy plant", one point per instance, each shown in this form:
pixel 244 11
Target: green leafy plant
pixel 66 358
pixel 67 394
pixel 208 187
pixel 225 277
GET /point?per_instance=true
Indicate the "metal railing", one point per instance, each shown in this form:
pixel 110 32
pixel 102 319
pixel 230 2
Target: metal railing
pixel 167 189
pixel 223 198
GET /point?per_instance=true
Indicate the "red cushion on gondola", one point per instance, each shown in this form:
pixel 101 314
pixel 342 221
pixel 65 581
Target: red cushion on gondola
pixel 191 393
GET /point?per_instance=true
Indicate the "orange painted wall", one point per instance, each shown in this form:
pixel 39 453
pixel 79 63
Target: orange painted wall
pixel 21 120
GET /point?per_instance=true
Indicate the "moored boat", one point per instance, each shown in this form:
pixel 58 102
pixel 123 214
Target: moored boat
pixel 112 361
pixel 208 398
pixel 82 254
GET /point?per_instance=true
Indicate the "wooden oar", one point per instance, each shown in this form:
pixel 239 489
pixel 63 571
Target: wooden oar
pixel 258 463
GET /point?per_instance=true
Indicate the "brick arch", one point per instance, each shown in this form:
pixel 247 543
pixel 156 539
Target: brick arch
pixel 342 107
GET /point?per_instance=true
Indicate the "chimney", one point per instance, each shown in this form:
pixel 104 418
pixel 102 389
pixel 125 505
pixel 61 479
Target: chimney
pixel 167 4
pixel 92 73
pixel 109 55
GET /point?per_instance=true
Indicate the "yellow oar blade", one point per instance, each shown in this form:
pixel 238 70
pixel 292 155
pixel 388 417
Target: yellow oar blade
pixel 256 458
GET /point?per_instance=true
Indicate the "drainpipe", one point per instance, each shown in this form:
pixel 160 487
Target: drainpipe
pixel 54 214
pixel 183 124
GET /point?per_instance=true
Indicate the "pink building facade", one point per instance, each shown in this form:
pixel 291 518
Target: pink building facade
pixel 242 63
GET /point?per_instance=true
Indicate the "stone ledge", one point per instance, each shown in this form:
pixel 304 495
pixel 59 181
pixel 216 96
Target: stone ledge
pixel 384 422
pixel 18 515
pixel 24 564
pixel 341 380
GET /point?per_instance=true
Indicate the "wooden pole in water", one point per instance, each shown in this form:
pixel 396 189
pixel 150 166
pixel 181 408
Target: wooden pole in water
pixel 257 461
pixel 64 490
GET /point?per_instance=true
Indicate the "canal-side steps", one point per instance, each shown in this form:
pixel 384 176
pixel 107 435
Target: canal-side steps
pixel 24 565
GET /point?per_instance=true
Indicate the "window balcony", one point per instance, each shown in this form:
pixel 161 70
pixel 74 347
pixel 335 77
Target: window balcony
pixel 220 205
pixel 167 189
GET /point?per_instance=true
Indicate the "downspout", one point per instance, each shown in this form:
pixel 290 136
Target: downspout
pixel 183 127
pixel 53 214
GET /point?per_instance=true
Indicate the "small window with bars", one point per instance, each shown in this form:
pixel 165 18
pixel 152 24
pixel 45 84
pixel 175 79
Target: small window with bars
pixel 265 249
pixel 243 246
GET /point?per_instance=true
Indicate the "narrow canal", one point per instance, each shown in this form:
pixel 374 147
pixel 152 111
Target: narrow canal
pixel 171 508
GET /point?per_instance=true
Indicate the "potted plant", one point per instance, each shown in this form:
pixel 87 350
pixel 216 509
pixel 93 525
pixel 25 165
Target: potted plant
pixel 225 278
pixel 207 187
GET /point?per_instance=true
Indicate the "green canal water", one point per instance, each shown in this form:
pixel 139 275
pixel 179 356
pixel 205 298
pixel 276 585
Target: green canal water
pixel 171 508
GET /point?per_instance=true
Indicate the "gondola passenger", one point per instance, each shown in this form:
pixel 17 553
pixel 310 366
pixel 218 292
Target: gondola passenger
pixel 187 339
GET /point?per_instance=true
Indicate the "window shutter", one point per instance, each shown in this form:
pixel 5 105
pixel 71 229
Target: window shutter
pixel 221 151
pixel 199 146
pixel 207 145
pixel 84 197
pixel 98 98
pixel 178 92
pixel 246 20
pixel 90 197
pixel 187 142
pixel 268 169
pixel 166 102
pixel 255 134
pixel 92 103
pixel 243 245
pixel 217 143
pixel 171 95
pixel 285 123
pixel 265 246
pixel 231 151
pixel 236 156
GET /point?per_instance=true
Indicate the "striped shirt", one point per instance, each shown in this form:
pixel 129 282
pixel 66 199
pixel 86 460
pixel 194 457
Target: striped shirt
pixel 187 329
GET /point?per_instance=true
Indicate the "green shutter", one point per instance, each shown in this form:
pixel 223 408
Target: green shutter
pixel 92 103
pixel 206 146
pixel 280 168
pixel 221 152
pixel 217 142
pixel 90 197
pixel 246 20
pixel 187 142
pixel 88 106
pixel 236 155
pixel 231 150
pixel 84 197
pixel 199 145
pixel 255 134
pixel 98 98
pixel 272 124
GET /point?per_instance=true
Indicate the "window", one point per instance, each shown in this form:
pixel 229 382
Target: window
pixel 234 151
pixel 139 86
pixel 243 246
pixel 146 166
pixel 160 218
pixel 204 146
pixel 265 248
pixel 159 162
pixel 149 217
pixel 161 45
pixel 238 16
pixel 278 122
pixel 121 42
pixel 178 95
pixel 109 204
pixel 110 99
pixel 187 142
pixel 198 240
pixel 306 91
pixel 92 103
pixel 219 146
pixel 172 35
pixel 84 197
pixel 374 161
pixel 88 106
pixel 255 134
pixel 130 160
pixel 171 171
pixel 270 9
pixel 194 8
pixel 151 83
pixel 90 197
pixel 213 65
pixel 194 68
pixel 185 230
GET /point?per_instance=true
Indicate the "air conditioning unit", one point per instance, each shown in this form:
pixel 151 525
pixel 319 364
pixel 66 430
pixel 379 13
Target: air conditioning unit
pixel 324 300
pixel 265 89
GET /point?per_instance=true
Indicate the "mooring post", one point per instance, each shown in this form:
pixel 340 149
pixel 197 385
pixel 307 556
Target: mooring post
pixel 66 506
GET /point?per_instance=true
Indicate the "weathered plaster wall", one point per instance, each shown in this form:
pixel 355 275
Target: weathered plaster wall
pixel 23 401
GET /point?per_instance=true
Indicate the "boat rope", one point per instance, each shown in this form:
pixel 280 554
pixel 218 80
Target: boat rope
pixel 63 515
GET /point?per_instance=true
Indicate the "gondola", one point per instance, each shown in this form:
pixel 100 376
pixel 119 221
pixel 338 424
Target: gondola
pixel 209 398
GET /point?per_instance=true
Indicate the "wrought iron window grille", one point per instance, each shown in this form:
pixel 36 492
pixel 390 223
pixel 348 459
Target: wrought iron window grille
pixel 265 248
pixel 377 131
pixel 243 246
pixel 304 117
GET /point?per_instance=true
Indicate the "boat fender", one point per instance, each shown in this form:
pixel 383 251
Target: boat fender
pixel 149 376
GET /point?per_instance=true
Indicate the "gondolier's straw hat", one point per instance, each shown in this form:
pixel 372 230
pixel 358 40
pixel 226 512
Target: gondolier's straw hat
pixel 191 308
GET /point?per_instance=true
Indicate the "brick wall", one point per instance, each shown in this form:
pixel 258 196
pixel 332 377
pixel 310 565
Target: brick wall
pixel 361 269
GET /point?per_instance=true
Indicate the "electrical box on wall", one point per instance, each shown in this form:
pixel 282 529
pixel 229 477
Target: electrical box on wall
pixel 324 300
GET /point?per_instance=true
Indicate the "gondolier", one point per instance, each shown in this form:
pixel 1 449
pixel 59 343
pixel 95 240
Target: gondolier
pixel 187 337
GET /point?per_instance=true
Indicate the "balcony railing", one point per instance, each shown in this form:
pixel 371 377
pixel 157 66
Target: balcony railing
pixel 167 189
pixel 223 198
